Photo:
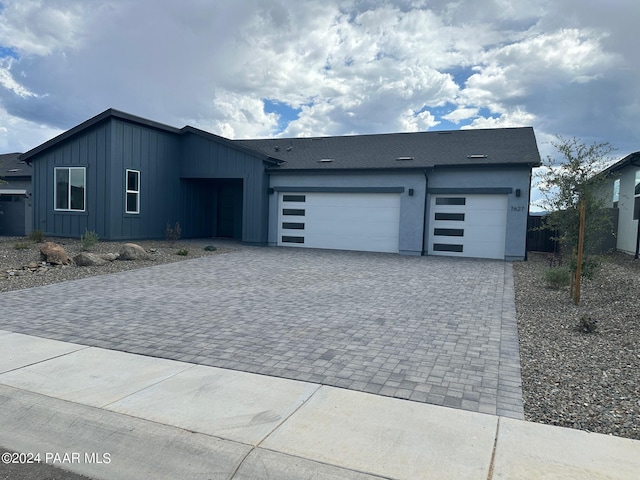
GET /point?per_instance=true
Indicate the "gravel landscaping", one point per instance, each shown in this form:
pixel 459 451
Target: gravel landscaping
pixel 587 381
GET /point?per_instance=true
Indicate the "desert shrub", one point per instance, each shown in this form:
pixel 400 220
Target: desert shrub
pixel 587 324
pixel 36 236
pixel 590 266
pixel 20 246
pixel 183 251
pixel 174 233
pixel 210 248
pixel 557 277
pixel 89 239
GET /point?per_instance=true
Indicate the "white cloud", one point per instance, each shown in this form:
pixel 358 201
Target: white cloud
pixel 350 66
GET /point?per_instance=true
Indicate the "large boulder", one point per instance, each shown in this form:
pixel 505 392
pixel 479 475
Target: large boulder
pixel 86 259
pixel 54 254
pixel 132 251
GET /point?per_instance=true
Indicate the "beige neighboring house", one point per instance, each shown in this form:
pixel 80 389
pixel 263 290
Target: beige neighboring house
pixel 15 196
pixel 624 183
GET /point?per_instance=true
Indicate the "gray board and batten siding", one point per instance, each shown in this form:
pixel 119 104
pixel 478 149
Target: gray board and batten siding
pixel 184 176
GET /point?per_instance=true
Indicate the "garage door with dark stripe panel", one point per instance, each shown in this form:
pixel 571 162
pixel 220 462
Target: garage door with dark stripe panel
pixel 344 221
pixel 468 225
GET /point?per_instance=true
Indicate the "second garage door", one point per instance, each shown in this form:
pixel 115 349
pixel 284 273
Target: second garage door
pixel 468 225
pixel 344 221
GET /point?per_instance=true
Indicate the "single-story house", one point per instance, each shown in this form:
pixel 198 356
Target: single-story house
pixel 623 193
pixel 459 193
pixel 15 195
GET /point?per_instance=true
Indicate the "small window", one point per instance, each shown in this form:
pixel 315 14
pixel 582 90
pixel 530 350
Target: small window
pixel 132 192
pixel 293 225
pixel 293 211
pixel 450 201
pixel 446 247
pixel 456 217
pixel 293 198
pixel 448 232
pixel 69 188
pixel 616 191
pixel 289 239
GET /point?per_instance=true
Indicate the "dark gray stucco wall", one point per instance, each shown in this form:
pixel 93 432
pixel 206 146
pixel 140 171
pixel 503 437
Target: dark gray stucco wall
pixel 204 158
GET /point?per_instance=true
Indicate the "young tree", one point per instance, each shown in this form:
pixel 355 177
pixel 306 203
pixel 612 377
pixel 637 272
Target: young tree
pixel 569 180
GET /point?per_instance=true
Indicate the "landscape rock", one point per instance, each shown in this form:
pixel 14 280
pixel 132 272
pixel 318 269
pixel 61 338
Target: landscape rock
pixel 109 257
pixel 86 259
pixel 54 254
pixel 132 251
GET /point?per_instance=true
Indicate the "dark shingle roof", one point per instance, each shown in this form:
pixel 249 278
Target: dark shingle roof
pixel 10 166
pixel 501 146
pixel 631 159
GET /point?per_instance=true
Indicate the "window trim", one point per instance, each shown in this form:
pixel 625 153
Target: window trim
pixel 128 191
pixel 69 198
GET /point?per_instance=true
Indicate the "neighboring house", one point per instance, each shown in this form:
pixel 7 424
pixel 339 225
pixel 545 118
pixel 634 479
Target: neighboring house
pixel 15 193
pixel 459 193
pixel 624 194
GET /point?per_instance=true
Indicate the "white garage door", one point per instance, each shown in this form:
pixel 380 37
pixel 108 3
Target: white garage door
pixel 344 221
pixel 468 225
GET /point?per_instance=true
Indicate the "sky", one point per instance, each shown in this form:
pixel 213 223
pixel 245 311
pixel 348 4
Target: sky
pixel 268 68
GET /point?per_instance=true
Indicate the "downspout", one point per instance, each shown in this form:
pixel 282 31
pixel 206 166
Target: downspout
pixel 637 241
pixel 425 219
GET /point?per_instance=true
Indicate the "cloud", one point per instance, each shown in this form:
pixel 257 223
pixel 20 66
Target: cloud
pixel 343 66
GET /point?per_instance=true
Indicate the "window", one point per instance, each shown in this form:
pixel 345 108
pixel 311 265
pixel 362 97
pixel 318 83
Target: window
pixel 456 217
pixel 293 198
pixel 445 247
pixel 69 188
pixel 616 193
pixel 293 211
pixel 448 232
pixel 450 200
pixel 133 192
pixel 293 225
pixel 289 239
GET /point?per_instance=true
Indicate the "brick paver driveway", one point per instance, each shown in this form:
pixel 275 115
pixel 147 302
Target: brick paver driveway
pixel 429 329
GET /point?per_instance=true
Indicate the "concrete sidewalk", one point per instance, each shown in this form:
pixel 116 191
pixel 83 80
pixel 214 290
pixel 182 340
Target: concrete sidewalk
pixel 114 415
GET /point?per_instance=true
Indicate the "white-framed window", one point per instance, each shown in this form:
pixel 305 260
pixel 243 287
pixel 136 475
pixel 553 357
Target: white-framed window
pixel 616 192
pixel 132 194
pixel 69 189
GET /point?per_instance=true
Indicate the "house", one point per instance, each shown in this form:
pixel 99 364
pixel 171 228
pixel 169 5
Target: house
pixel 15 195
pixel 624 194
pixel 458 193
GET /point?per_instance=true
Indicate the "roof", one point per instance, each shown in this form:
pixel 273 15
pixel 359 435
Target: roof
pixel 112 113
pixel 11 166
pixel 631 159
pixel 501 146
pixel 405 151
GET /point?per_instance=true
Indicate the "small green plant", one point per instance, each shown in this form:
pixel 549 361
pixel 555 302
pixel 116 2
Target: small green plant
pixel 89 239
pixel 557 277
pixel 587 324
pixel 173 233
pixel 210 248
pixel 590 266
pixel 36 236
pixel 183 251
pixel 20 246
